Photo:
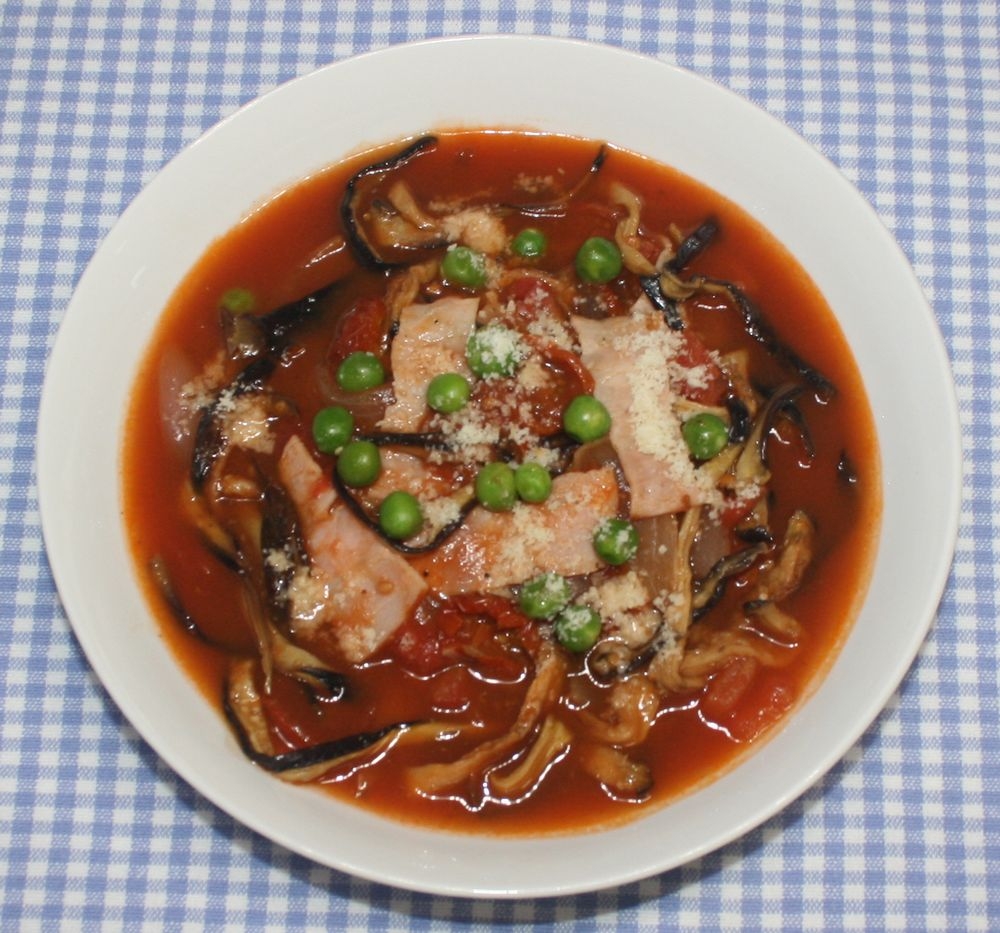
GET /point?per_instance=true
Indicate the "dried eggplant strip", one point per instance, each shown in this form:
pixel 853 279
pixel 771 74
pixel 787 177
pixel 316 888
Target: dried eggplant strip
pixel 280 533
pixel 280 324
pixel 324 753
pixel 359 243
pixel 210 442
pixel 558 207
pixel 361 513
pixel 694 244
pixel 668 307
pixel 710 589
pixel 426 440
pixel 164 583
pixel 740 422
pixel 691 247
pixel 757 327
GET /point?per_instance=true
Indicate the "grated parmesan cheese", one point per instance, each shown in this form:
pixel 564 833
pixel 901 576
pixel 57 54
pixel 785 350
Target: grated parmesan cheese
pixel 501 348
pixel 246 422
pixel 200 392
pixel 630 358
pixel 440 512
pixel 278 560
pixel 308 598
pixel 617 594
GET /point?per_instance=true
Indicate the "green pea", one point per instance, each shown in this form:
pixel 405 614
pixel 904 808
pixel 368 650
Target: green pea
pixel 533 482
pixel 577 628
pixel 530 243
pixel 495 487
pixel 359 463
pixel 586 419
pixel 360 371
pixel 493 350
pixel 238 300
pixel 464 266
pixel 705 435
pixel 545 595
pixel 616 541
pixel 332 428
pixel 400 516
pixel 598 260
pixel 448 392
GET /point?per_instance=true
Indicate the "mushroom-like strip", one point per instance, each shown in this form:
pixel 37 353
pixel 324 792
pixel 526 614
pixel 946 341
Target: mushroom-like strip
pixel 165 584
pixel 704 659
pixel 784 577
pixel 667 648
pixel 774 621
pixel 245 712
pixel 550 746
pixel 252 335
pixel 664 289
pixel 708 590
pixel 629 715
pixel 621 777
pixel 752 464
pixel 542 693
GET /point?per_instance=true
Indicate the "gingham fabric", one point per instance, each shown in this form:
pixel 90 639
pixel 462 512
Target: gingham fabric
pixel 97 833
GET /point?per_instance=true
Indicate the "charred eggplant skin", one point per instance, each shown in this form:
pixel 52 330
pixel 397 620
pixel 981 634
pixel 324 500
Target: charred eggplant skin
pixel 359 244
pixel 757 327
pixel 361 513
pixel 280 324
pixel 311 755
pixel 209 440
pixel 694 244
pixel 666 306
pixel 558 206
pixel 279 531
pixel 691 247
pixel 754 322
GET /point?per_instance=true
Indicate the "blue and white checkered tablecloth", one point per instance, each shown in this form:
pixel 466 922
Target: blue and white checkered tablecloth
pixel 903 95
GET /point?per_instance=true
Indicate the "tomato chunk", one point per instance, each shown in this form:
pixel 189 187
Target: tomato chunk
pixel 481 632
pixel 693 354
pixel 744 699
pixel 726 688
pixel 363 328
pixel 528 298
pixel 453 690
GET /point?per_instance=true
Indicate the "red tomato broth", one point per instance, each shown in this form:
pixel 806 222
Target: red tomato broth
pixel 269 253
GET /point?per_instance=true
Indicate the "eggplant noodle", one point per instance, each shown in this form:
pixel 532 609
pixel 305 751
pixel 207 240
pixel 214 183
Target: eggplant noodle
pixel 501 481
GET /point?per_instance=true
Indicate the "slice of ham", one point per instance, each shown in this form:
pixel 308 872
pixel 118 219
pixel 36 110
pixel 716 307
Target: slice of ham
pixel 629 358
pixel 431 339
pixel 495 550
pixel 371 589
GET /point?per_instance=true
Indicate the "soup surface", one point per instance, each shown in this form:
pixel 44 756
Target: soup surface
pixel 501 482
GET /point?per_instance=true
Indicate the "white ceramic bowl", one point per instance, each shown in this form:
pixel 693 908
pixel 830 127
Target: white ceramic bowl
pixel 552 85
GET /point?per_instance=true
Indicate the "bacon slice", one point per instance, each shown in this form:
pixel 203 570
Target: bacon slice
pixel 494 550
pixel 431 339
pixel 370 589
pixel 629 358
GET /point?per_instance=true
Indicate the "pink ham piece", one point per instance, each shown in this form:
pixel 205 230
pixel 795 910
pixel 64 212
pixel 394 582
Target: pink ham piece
pixel 629 358
pixel 431 340
pixel 371 589
pixel 495 550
